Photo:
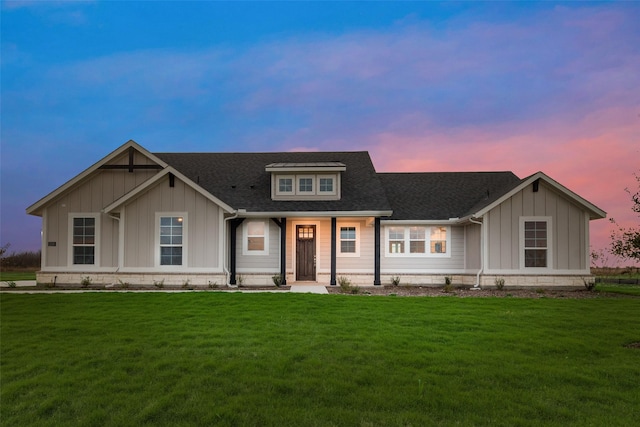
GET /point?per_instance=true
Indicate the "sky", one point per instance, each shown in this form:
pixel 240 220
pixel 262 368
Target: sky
pixel 422 86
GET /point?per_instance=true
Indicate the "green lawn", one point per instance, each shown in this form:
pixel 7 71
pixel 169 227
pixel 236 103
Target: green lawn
pixel 232 359
pixel 12 276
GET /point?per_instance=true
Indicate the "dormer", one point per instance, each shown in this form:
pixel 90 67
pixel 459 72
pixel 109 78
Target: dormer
pixel 306 181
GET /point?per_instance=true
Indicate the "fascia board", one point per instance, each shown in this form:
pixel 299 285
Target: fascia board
pixel 152 181
pixel 596 213
pixel 451 221
pixel 36 208
pixel 313 214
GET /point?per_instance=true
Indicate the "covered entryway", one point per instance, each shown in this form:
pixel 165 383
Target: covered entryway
pixel 305 252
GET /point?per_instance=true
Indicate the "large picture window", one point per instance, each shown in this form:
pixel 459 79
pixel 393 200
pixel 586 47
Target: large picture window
pixel 417 241
pixel 171 240
pixel 84 240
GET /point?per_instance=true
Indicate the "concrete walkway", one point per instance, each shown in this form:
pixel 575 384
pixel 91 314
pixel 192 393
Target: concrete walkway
pixel 309 289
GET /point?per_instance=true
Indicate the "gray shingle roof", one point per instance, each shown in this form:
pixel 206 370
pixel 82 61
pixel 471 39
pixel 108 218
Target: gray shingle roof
pixel 443 195
pixel 240 179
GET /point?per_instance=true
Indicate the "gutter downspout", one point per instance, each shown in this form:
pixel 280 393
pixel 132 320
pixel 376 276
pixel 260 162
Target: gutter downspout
pixel 477 285
pixel 224 239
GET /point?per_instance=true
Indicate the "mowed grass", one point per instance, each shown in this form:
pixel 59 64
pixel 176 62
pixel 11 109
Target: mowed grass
pixel 14 276
pixel 232 359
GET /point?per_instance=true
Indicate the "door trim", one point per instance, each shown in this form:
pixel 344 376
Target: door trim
pixel 294 246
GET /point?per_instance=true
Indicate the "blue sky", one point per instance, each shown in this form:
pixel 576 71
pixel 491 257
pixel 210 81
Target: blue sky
pixel 423 86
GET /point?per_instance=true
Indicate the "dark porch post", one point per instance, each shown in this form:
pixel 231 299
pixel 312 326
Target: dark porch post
pixel 376 233
pixel 283 251
pixel 234 223
pixel 333 252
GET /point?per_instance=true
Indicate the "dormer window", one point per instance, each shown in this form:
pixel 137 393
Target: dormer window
pixel 306 181
pixel 305 185
pixel 285 185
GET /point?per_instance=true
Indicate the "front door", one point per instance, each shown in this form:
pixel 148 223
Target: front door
pixel 306 252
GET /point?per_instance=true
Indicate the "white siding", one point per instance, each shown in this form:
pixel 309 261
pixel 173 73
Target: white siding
pixel 259 263
pixel 568 229
pixel 203 226
pixel 408 264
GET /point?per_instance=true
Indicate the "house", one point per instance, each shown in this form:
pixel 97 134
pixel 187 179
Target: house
pixel 230 218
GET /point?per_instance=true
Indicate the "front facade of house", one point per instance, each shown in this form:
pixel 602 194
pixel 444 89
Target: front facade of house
pixel 241 218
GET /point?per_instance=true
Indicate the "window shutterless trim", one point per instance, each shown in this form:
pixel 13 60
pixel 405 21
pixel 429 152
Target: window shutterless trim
pixel 159 244
pixel 96 241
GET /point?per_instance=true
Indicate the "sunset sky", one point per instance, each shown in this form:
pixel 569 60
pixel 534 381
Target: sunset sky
pixel 422 86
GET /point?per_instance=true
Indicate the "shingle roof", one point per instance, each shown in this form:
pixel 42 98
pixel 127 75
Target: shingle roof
pixel 240 179
pixel 443 195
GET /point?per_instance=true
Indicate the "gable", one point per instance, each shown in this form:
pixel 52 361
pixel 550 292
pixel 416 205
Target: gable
pixel 116 174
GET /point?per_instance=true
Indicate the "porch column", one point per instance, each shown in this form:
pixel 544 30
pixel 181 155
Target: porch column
pixel 376 234
pixel 282 223
pixel 234 223
pixel 333 252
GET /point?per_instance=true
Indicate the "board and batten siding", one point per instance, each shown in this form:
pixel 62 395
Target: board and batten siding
pixel 472 242
pixel 425 264
pixel 203 226
pixel 90 197
pixel 568 234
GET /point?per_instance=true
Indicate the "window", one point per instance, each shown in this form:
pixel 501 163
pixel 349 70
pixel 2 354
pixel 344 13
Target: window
pixel 305 185
pixel 285 185
pixel 417 241
pixel 535 244
pixel 171 240
pixel 326 185
pixel 84 240
pixel 396 240
pixel 349 244
pixel 438 240
pixel 256 238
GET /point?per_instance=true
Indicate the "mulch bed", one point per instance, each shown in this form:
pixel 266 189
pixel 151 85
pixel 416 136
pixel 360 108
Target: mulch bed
pixel 416 291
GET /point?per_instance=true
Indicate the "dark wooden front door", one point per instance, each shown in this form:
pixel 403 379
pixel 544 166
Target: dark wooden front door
pixel 306 252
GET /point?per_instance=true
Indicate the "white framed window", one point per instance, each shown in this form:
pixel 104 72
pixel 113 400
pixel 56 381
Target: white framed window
pixel 349 240
pixel 171 240
pixel 326 185
pixel 305 185
pixel 84 230
pixel 396 240
pixel 256 237
pixel 418 241
pixel 285 185
pixel 535 242
pixel 438 240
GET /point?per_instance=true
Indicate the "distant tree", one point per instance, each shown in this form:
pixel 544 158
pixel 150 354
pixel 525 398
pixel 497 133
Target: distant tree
pixel 625 242
pixel 3 249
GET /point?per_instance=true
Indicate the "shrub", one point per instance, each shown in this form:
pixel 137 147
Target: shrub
pixel 277 280
pixel 11 284
pixel 448 286
pixel 346 286
pixel 395 280
pixel 590 285
pixel 124 285
pixel 213 285
pixel 85 281
pixel 158 283
pixel 185 284
pixel 499 282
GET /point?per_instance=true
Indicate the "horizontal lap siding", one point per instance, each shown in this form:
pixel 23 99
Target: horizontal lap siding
pixel 262 262
pixel 203 225
pixel 362 262
pixel 407 264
